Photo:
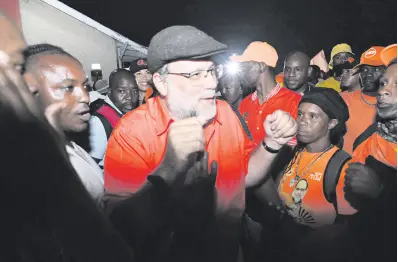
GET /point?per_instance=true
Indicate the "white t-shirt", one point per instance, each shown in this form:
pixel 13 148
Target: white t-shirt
pixel 88 171
pixel 98 139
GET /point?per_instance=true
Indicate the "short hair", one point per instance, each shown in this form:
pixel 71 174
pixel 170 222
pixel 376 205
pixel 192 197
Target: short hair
pixel 35 51
pixel 120 71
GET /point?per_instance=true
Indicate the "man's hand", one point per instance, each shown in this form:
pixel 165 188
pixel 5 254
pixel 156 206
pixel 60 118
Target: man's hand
pixel 185 139
pixel 200 170
pixel 280 127
pixel 362 180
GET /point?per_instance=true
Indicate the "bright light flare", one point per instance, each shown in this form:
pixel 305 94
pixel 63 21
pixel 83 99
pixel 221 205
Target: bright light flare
pixel 232 68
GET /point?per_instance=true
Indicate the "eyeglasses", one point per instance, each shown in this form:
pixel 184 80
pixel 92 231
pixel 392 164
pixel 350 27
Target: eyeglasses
pixel 197 77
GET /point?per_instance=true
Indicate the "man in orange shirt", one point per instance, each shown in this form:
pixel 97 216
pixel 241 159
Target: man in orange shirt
pixel 371 183
pixel 257 65
pixel 187 103
pixel 171 131
pixel 362 103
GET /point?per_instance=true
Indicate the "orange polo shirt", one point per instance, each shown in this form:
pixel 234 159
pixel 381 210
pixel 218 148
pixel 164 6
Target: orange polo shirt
pixel 376 146
pixel 138 144
pixel 305 201
pixel 362 115
pixel 254 114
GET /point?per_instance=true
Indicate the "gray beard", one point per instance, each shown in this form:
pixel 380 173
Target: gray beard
pixel 179 114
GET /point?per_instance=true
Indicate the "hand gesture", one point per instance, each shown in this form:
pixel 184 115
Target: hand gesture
pixel 185 138
pixel 200 170
pixel 362 180
pixel 280 127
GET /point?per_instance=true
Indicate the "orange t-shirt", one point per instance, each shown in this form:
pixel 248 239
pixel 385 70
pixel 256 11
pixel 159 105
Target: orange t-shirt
pixel 254 114
pixel 304 197
pixel 362 115
pixel 376 146
pixel 138 144
pixel 279 79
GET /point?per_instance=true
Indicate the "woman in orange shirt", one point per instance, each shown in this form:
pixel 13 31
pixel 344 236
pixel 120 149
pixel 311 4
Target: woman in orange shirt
pixel 321 119
pixel 302 184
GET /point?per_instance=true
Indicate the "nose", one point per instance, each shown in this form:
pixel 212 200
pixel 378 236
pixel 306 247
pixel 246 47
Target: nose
pixel 302 120
pixel 129 95
pixel 383 92
pixel 291 73
pixel 82 95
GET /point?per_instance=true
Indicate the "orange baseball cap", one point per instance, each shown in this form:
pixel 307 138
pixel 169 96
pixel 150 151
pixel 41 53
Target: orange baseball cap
pixel 372 57
pixel 388 54
pixel 258 52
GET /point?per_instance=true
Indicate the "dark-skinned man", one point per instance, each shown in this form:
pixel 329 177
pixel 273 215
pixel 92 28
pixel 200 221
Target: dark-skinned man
pixel 47 207
pixel 231 89
pixel 371 182
pixel 122 98
pixel 257 69
pixel 339 55
pixel 296 72
pixel 257 65
pixel 350 80
pixel 362 103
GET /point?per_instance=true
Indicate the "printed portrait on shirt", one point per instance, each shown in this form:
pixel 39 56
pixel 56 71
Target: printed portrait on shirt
pixel 299 192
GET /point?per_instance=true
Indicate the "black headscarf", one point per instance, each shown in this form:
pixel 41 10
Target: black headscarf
pixel 334 107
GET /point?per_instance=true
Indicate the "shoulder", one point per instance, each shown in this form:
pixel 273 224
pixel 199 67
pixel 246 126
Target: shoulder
pixel 135 121
pixel 290 94
pixel 226 113
pixel 326 81
pixel 246 103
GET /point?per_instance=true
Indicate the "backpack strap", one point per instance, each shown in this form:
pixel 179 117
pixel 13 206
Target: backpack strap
pixel 332 175
pixel 365 135
pixel 107 125
pixel 109 118
pixel 242 122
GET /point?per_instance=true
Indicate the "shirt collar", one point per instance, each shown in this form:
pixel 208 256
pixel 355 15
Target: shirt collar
pixel 109 102
pixel 163 119
pixel 273 92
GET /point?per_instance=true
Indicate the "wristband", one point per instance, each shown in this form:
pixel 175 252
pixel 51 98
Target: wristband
pixel 269 149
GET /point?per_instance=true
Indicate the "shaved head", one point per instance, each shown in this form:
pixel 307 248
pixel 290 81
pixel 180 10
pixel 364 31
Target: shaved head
pixel 118 75
pixel 12 42
pixel 302 57
pixel 295 71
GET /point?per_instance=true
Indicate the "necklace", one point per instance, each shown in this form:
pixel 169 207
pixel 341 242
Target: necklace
pixel 366 102
pixel 307 167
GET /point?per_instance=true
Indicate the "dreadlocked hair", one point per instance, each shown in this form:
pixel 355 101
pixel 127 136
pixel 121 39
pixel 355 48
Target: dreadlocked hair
pixel 34 51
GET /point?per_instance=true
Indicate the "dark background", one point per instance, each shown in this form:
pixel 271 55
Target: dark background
pixel 307 25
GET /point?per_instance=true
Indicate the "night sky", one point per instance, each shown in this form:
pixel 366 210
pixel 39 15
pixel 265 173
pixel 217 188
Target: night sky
pixel 307 25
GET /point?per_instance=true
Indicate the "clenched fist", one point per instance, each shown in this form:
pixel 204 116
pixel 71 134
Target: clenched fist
pixel 362 180
pixel 280 127
pixel 184 140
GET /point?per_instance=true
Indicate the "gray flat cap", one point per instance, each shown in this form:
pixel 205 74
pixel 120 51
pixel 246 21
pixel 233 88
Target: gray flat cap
pixel 181 42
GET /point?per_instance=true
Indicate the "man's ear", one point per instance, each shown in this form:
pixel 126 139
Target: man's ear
pixel 333 123
pixel 310 71
pixel 160 84
pixel 32 82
